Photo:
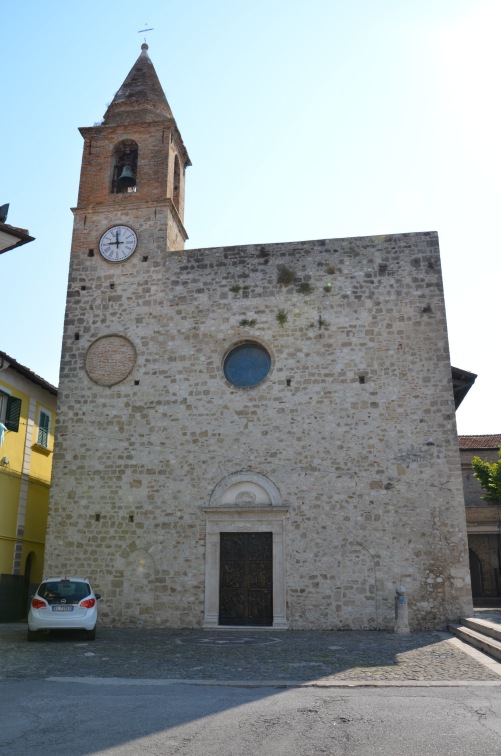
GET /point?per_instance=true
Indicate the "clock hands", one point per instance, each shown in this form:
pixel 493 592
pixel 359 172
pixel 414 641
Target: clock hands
pixel 116 239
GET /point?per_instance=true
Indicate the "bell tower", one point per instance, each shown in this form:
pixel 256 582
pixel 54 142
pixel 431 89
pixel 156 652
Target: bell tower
pixel 133 167
pixel 128 225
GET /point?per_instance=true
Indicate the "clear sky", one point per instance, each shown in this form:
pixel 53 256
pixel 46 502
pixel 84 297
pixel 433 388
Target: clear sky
pixel 323 119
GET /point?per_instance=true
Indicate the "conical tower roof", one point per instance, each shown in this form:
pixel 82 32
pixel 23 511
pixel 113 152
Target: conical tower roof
pixel 141 97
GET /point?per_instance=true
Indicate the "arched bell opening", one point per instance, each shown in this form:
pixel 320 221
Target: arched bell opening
pixel 176 191
pixel 124 175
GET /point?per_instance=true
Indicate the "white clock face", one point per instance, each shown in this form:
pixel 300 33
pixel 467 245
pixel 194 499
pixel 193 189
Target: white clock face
pixel 118 243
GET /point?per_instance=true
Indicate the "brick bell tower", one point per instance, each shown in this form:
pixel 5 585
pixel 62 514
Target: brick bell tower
pixel 128 225
pixel 133 173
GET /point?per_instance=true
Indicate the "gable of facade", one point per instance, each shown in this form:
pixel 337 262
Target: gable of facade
pixel 27 417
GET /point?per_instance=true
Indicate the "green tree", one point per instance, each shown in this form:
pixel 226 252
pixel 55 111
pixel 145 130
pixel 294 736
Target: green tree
pixel 489 476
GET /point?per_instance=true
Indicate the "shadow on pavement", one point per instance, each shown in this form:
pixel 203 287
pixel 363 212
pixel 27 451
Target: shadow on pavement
pixel 242 656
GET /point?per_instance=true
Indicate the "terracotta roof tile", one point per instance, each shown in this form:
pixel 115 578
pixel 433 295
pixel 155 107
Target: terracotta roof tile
pixel 480 442
pixel 15 365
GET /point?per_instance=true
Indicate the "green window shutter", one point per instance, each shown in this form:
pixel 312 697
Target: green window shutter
pixel 13 414
pixel 43 429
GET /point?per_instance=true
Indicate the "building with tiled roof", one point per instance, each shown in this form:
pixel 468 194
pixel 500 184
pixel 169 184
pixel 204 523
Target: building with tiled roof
pixel 483 520
pixel 10 236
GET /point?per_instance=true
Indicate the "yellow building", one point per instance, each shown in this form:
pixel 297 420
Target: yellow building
pixel 27 417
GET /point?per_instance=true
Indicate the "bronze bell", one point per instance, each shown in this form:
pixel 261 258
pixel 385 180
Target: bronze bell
pixel 127 177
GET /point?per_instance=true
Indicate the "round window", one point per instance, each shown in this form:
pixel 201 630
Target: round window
pixel 247 365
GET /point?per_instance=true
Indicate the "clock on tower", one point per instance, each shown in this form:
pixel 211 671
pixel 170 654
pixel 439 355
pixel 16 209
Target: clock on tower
pixel 118 243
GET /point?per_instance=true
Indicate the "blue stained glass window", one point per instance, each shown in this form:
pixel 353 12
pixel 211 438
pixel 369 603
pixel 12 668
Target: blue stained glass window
pixel 247 365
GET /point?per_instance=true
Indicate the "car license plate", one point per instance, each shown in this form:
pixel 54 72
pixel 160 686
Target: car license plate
pixel 62 608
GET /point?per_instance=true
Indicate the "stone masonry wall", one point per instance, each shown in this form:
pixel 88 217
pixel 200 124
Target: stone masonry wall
pixel 354 425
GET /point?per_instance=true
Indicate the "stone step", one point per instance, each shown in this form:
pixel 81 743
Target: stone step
pixel 484 643
pixel 486 627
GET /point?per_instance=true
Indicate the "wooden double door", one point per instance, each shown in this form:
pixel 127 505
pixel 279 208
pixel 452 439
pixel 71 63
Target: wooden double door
pixel 246 579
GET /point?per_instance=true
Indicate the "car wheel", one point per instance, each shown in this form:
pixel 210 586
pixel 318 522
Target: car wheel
pixel 91 634
pixel 32 635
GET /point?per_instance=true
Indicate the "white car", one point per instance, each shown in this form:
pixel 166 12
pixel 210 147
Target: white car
pixel 63 603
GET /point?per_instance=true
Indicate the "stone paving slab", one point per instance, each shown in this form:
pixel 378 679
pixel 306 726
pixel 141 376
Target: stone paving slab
pixel 245 656
pixel 491 615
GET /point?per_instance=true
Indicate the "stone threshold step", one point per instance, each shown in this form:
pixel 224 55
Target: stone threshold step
pixel 484 626
pixel 479 640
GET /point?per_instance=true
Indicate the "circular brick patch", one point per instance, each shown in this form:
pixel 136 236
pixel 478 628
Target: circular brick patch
pixel 110 359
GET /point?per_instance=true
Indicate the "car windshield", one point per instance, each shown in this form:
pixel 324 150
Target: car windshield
pixel 64 591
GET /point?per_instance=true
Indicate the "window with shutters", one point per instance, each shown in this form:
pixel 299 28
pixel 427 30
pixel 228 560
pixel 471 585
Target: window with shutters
pixel 10 411
pixel 43 429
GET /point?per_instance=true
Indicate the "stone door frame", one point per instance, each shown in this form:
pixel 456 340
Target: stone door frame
pixel 244 502
pixel 243 520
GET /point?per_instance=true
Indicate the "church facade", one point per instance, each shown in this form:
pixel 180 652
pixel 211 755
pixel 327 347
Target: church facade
pixel 246 436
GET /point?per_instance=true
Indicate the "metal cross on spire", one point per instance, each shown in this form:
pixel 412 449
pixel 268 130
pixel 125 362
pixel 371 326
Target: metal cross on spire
pixel 142 31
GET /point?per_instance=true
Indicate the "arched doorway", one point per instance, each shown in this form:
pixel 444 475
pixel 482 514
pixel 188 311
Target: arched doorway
pixel 245 553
